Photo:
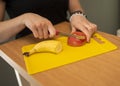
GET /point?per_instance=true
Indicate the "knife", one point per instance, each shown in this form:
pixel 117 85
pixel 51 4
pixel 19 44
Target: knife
pixel 68 35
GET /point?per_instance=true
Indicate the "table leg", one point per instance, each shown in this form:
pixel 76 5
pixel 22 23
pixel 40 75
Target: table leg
pixel 18 78
pixel 21 80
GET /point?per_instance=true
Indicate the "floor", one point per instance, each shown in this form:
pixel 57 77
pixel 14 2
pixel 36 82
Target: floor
pixel 7 75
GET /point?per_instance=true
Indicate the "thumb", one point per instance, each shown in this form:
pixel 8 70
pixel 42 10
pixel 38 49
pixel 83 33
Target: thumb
pixel 73 29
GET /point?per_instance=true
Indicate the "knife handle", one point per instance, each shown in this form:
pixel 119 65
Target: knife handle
pixel 57 32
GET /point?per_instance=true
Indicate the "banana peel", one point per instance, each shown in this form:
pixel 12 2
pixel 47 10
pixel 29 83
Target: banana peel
pixel 52 46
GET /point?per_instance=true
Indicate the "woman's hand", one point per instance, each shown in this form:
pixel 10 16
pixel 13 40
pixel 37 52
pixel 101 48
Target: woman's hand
pixel 79 22
pixel 40 26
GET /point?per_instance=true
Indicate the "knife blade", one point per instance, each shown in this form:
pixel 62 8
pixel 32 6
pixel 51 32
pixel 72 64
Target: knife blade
pixel 68 35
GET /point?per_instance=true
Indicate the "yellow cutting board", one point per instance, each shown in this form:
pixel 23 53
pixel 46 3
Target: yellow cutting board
pixel 44 61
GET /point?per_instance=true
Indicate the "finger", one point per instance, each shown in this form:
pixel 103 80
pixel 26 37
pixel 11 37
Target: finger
pixel 45 31
pixel 88 35
pixel 95 27
pixel 34 31
pixel 73 29
pixel 91 28
pixel 52 31
pixel 40 31
pixel 84 30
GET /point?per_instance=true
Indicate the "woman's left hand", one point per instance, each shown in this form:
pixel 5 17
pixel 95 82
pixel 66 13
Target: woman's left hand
pixel 79 22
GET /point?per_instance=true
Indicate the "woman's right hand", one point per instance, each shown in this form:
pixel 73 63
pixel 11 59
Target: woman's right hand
pixel 41 27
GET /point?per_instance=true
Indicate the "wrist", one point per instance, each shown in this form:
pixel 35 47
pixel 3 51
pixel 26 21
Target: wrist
pixel 78 12
pixel 21 20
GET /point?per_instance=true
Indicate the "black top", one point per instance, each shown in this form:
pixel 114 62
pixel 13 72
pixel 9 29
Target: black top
pixel 54 10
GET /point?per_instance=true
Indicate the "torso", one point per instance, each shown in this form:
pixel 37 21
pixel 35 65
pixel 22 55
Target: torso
pixel 54 10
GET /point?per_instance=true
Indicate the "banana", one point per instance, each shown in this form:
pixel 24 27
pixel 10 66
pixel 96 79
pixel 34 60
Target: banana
pixel 52 46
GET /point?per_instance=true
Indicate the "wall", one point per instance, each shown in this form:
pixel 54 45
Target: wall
pixel 105 13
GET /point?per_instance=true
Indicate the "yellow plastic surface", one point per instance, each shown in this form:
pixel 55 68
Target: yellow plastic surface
pixel 40 62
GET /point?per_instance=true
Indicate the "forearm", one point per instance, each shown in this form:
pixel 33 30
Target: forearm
pixel 74 5
pixel 10 28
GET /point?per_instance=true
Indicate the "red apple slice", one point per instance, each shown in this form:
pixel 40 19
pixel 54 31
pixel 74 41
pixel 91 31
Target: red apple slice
pixel 78 41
